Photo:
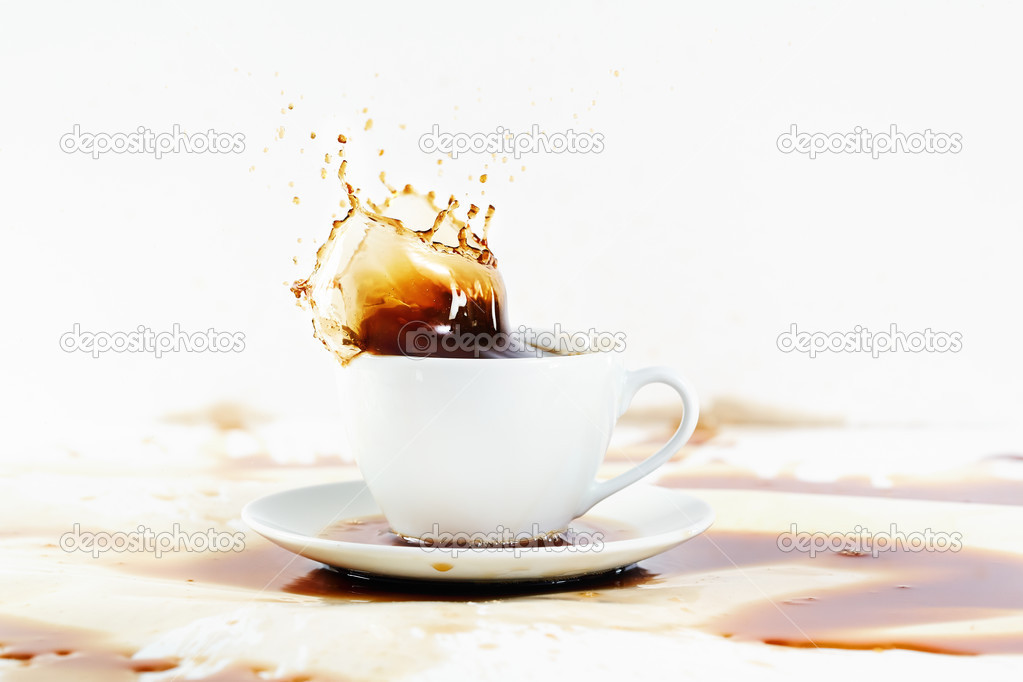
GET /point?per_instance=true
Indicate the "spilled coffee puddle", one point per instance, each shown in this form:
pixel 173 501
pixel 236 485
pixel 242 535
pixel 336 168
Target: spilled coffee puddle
pixel 897 588
pixel 271 570
pixel 45 652
pixel 354 586
pixel 969 486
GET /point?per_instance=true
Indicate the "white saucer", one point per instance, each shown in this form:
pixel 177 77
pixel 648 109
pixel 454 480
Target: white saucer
pixel 659 519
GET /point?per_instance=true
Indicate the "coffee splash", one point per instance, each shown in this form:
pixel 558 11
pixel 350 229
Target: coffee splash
pixel 390 271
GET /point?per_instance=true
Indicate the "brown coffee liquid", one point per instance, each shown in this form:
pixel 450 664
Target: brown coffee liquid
pixel 51 652
pixel 46 652
pixel 897 588
pixel 404 278
pixel 374 530
pixel 268 569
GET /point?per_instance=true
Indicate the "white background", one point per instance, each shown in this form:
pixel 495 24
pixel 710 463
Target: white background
pixel 691 232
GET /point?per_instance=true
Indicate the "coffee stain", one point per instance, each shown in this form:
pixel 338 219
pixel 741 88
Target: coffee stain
pixel 223 416
pixel 271 570
pixel 966 485
pixel 729 411
pixel 659 423
pixel 375 530
pixel 899 588
pixel 895 589
pixel 23 639
pixel 45 652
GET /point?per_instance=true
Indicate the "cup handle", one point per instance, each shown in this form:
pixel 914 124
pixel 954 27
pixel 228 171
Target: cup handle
pixel 634 381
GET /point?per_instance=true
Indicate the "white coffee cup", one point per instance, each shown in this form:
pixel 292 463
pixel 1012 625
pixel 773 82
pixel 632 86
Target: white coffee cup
pixel 503 448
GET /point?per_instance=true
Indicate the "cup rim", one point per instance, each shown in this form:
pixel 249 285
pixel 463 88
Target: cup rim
pixel 433 360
